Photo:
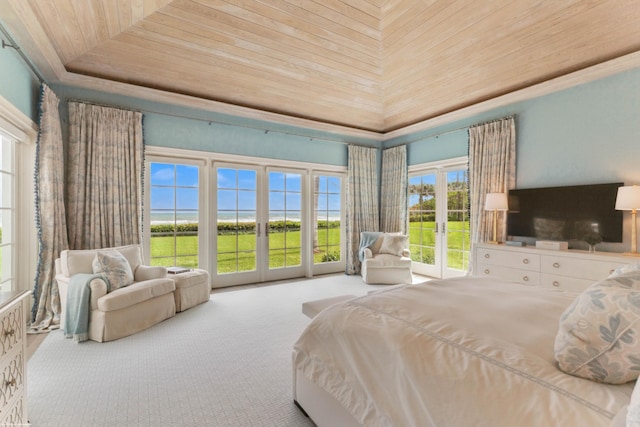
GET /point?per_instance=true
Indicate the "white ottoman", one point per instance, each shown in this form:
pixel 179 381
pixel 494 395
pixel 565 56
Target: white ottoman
pixel 312 308
pixel 192 288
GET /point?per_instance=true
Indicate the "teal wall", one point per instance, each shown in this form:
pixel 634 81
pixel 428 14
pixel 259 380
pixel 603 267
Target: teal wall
pixel 440 147
pixel 18 84
pixel 585 134
pixel 187 128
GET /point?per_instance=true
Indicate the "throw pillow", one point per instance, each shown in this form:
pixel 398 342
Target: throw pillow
pixel 599 333
pixel 633 410
pixel 625 268
pixel 393 244
pixel 115 267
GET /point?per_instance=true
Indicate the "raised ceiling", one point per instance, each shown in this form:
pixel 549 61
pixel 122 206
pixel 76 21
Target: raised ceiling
pixel 376 65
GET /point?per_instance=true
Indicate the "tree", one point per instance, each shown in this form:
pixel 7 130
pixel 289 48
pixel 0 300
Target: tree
pixel 424 191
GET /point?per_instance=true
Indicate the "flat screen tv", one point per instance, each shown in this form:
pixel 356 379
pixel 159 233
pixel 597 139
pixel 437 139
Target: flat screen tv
pixel 565 213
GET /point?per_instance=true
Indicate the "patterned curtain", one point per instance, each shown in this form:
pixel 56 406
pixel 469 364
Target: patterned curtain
pixel 104 176
pixel 362 200
pixel 50 214
pixel 393 193
pixel 492 169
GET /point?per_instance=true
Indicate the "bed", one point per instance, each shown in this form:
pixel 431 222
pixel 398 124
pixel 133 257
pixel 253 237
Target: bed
pixel 456 352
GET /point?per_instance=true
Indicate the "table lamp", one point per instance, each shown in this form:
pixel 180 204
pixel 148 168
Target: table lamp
pixel 496 202
pixel 628 199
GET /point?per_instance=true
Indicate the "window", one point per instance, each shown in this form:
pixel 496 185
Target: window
pixel 174 195
pixel 422 217
pixel 458 234
pixel 285 218
pixel 236 219
pixel 327 208
pixel 243 219
pixel 7 185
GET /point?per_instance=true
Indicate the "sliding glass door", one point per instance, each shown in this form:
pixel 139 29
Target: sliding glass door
pixel 174 225
pixel 328 220
pixel 285 230
pixel 439 221
pixel 243 222
pixel 259 223
pixel 423 224
pixel 237 224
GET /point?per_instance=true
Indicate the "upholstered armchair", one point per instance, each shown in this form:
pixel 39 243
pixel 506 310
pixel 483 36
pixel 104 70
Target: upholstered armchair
pixel 385 258
pixel 117 309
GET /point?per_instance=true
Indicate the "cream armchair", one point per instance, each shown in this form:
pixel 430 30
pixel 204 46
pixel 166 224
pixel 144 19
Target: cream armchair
pixel 386 260
pixel 124 311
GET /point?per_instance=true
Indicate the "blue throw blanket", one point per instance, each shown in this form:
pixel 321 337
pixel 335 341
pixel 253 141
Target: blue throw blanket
pixel 76 324
pixel 367 238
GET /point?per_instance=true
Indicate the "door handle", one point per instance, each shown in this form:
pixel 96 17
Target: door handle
pixel 258 231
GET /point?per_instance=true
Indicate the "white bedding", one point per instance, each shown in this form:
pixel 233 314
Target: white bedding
pixel 456 352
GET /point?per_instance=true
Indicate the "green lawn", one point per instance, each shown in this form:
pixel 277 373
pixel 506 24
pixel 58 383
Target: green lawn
pixel 422 242
pixel 238 252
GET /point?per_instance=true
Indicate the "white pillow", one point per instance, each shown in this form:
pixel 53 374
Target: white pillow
pixel 599 333
pixel 633 410
pixel 393 244
pixel 115 267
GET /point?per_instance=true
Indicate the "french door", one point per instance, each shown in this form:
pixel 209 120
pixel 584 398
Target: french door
pixel 260 232
pixel 439 221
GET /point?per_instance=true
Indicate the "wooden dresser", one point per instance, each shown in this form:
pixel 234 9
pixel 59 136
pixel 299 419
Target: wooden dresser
pixel 14 309
pixel 571 269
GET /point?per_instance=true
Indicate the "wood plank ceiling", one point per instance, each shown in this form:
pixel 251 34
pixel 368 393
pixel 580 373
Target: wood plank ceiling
pixel 376 65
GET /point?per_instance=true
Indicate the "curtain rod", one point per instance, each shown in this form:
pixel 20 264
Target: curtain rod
pixel 476 124
pixel 454 130
pixel 12 44
pixel 220 122
pixel 181 116
pixel 512 116
pixel 97 104
pixel 416 139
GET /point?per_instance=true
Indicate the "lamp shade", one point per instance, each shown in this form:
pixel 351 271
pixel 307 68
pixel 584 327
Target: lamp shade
pixel 628 198
pixel 496 201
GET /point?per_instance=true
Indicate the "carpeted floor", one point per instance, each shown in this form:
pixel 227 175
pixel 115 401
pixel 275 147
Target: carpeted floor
pixel 223 363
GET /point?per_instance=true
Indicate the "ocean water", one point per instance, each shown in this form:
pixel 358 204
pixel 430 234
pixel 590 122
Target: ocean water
pixel 188 217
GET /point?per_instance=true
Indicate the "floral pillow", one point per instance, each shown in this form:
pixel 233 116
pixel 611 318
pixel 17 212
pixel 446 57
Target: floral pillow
pixel 393 244
pixel 599 333
pixel 115 267
pixel 625 268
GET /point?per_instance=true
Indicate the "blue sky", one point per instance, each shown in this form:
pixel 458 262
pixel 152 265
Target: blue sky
pixel 236 187
pixel 183 176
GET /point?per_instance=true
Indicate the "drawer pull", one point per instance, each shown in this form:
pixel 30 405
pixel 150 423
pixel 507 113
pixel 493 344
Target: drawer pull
pixel 556 265
pixel 487 256
pixel 10 332
pixel 10 383
pixel 525 261
pixel 525 278
pixel 556 283
pixel 486 271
